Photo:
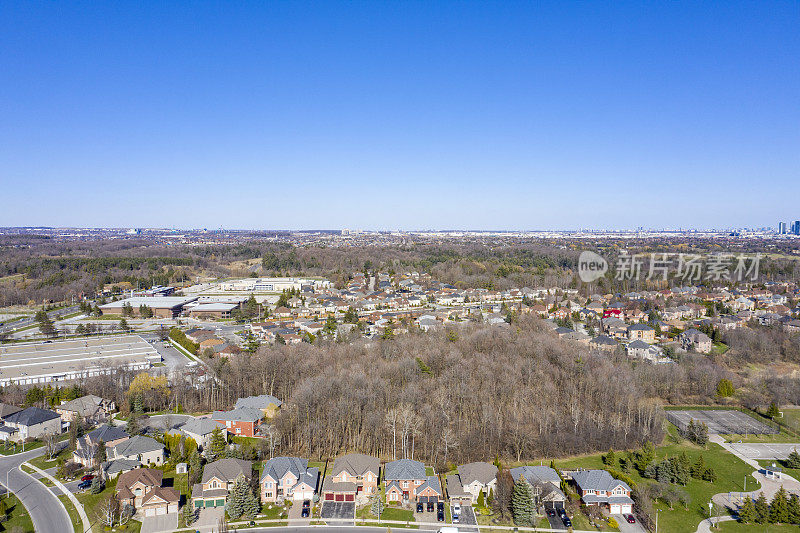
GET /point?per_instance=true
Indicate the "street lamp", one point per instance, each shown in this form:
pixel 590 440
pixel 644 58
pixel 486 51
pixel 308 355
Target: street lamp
pixel 710 516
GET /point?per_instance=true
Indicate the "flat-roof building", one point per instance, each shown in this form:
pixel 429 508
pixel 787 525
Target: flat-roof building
pixel 28 364
pixel 162 306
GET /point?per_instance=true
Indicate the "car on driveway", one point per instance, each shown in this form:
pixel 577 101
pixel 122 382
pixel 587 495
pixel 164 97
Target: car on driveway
pixel 83 485
pixel 440 506
pixel 630 519
pixel 420 507
pixel 430 507
pixel 567 521
pixel 87 477
pixel 440 516
pixel 305 512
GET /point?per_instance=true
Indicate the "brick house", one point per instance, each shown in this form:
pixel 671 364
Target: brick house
pixel 352 475
pixel 242 421
pixel 142 489
pixel 288 478
pixel 403 477
pixel 598 487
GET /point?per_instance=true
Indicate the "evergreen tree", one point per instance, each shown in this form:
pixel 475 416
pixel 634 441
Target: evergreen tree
pixel 698 468
pixel 481 501
pixel 100 453
pixel 218 443
pixel 235 504
pixel 762 509
pixel 683 469
pixel 773 411
pixel 709 474
pixel 793 509
pixel 188 514
pixel 490 498
pixel 522 506
pixel 725 388
pixel 376 507
pixel 691 430
pixel 701 437
pixel 794 460
pixel 665 473
pixel 779 508
pixel 645 456
pixel 747 514
pixel 610 458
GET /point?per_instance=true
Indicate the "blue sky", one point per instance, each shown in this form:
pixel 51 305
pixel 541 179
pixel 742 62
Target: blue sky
pixel 411 115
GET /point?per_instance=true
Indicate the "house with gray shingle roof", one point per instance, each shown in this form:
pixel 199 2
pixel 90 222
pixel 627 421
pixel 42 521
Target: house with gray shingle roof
pixel 363 471
pixel 288 478
pixel 146 450
pixel 267 403
pixel 545 482
pixel 598 487
pixel 218 479
pixel 476 477
pixel 403 477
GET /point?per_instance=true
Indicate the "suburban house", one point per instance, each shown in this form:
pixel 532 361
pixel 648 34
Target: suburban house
pixel 32 423
pixel 604 343
pixel 86 446
pixel 92 409
pixel 695 340
pixel 477 477
pixel 646 352
pixel 142 489
pixel 241 421
pixel 218 479
pixel 641 332
pixel 146 450
pixel 200 430
pixel 352 475
pixel 112 469
pixel 598 487
pixel 268 404
pixel 288 478
pixel 8 409
pixel 546 484
pixel 403 477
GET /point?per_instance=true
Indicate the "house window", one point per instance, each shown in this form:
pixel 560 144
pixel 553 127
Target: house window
pixel 405 484
pixel 268 484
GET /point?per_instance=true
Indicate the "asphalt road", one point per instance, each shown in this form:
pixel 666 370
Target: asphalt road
pixel 28 321
pixel 766 451
pixel 46 511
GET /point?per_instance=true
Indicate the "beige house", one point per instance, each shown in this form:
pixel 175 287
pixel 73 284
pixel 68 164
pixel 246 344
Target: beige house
pixel 32 423
pixel 218 480
pixel 139 448
pixel 92 409
pixel 642 332
pixel 142 489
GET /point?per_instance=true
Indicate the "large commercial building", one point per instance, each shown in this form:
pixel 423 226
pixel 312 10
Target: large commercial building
pixel 272 284
pixel 162 306
pixel 28 364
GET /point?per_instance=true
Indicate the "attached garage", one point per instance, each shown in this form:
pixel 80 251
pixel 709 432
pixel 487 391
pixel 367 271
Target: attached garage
pixel 422 499
pixel 339 497
pixel 150 512
pixel 220 502
pixel 349 497
pixel 161 511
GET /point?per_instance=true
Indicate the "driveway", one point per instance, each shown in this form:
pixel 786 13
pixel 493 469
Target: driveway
pixel 46 510
pixel 208 519
pixel 157 524
pixel 466 519
pixel 625 527
pixel 556 522
pixel 335 511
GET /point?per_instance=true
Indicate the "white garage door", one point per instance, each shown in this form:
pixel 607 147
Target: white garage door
pixel 150 512
pixel 161 510
pixel 626 508
pixel 614 508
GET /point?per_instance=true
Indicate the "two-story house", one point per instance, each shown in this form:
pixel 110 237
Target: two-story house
pixel 288 478
pixel 403 477
pixel 218 479
pixel 32 423
pixel 477 477
pixel 242 421
pixel 352 476
pixel 598 487
pixel 642 332
pixel 200 430
pixel 142 489
pixel 90 408
pixel 86 445
pixel 268 404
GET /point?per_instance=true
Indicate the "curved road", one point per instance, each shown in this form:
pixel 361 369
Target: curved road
pixel 47 512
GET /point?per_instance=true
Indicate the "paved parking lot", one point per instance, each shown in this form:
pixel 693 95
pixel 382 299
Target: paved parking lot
pixel 770 452
pixel 338 510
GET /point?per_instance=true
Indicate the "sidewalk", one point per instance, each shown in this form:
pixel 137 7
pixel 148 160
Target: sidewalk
pixel 87 525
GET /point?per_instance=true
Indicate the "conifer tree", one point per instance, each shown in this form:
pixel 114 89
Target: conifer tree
pixel 779 508
pixel 762 509
pixel 522 505
pixel 747 514
pixel 794 460
pixel 218 443
pixel 793 509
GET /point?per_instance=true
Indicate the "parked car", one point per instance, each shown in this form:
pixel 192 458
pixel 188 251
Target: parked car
pixel 551 512
pixel 87 477
pixel 420 507
pixel 440 506
pixel 83 485
pixel 440 516
pixel 561 513
pixel 306 503
pixel 431 506
pixel 567 521
pixel 630 519
pixel 305 512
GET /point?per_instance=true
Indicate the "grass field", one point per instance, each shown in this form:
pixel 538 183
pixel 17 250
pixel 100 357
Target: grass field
pixel 736 527
pixel 791 417
pixel 77 525
pixel 18 517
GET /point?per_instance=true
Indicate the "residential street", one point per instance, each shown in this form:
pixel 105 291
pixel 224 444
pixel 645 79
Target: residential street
pixel 46 510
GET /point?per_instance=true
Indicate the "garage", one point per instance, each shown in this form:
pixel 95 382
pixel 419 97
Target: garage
pixel 349 497
pixel 422 499
pixel 150 512
pixel 614 508
pixel 161 511
pixel 339 497
pixel 329 497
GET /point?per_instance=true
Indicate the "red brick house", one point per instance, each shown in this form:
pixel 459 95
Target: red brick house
pixel 243 421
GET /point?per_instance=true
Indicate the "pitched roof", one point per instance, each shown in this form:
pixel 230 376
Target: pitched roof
pixel 278 466
pixel 200 426
pixel 597 480
pixel 481 472
pixel 149 477
pixel 107 433
pixel 404 469
pixel 31 416
pixel 84 406
pixel 119 465
pixel 227 469
pixel 356 464
pixel 241 414
pixel 431 482
pixel 168 494
pixel 136 445
pixel 8 409
pixel 258 402
pixel 536 473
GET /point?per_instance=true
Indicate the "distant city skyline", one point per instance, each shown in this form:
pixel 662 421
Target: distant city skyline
pixel 400 115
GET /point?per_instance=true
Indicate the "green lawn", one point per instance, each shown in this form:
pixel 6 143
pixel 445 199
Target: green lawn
pixel 77 524
pixel 736 527
pixel 12 448
pixel 17 516
pixel 396 513
pixel 791 417
pixel 768 437
pixel 276 512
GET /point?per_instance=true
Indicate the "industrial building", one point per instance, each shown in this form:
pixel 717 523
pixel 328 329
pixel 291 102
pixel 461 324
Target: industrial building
pixel 58 361
pixel 272 284
pixel 162 306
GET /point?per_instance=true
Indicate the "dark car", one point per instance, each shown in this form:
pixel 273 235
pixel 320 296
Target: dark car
pixel 420 508
pixel 440 516
pixel 83 485
pixel 551 512
pixel 630 519
pixel 440 506
pixel 87 477
pixel 567 521
pixel 431 507
pixel 304 513
pixel 561 512
pixel 306 504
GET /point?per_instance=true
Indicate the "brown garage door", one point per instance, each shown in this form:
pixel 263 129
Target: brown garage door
pixel 340 497
pixel 349 497
pixel 329 496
